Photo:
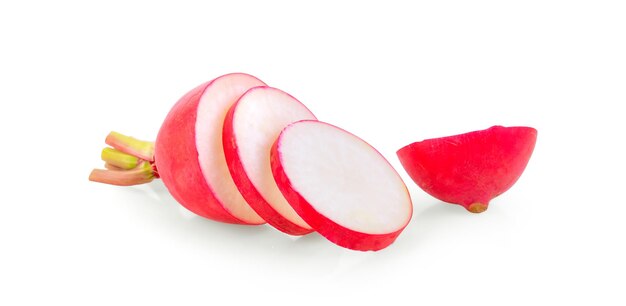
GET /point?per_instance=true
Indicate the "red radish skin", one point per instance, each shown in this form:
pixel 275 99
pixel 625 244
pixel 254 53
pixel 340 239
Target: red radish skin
pixel 178 168
pixel 309 208
pixel 178 159
pixel 250 128
pixel 470 169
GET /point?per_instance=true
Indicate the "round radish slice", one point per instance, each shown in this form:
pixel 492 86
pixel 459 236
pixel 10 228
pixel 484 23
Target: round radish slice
pixel 340 185
pixel 250 129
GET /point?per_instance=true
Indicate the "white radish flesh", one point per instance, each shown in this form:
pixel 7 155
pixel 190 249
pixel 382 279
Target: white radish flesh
pixel 340 185
pixel 215 102
pixel 250 129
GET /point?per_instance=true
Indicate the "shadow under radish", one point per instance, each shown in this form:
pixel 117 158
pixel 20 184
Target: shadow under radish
pixel 154 207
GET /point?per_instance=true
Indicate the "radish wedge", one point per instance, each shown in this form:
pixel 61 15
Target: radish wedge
pixel 250 129
pixel 340 185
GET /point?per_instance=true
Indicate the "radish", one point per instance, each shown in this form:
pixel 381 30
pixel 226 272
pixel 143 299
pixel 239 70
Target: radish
pixel 472 168
pixel 250 128
pixel 188 154
pixel 235 150
pixel 340 185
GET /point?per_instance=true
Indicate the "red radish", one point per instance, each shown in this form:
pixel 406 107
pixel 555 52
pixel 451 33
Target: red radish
pixel 340 185
pixel 470 169
pixel 250 128
pixel 234 150
pixel 188 153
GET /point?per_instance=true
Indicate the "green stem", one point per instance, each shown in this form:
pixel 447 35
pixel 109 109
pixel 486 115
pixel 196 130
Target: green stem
pixel 132 146
pixel 129 162
pixel 119 159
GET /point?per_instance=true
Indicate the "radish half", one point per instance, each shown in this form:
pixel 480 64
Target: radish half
pixel 190 156
pixel 250 128
pixel 340 185
pixel 470 169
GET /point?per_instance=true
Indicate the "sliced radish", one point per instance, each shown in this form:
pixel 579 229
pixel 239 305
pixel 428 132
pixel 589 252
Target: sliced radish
pixel 340 185
pixel 190 155
pixel 250 129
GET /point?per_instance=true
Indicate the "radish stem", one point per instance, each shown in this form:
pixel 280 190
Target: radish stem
pixel 129 162
pixel 140 175
pixel 119 159
pixel 111 167
pixel 132 146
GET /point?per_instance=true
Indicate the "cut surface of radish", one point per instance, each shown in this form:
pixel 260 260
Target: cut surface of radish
pixel 215 102
pixel 340 185
pixel 189 153
pixel 250 129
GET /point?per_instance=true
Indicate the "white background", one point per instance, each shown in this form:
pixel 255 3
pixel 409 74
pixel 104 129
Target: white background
pixel 391 73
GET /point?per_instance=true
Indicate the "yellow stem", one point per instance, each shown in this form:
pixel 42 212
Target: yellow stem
pixel 119 159
pixel 129 145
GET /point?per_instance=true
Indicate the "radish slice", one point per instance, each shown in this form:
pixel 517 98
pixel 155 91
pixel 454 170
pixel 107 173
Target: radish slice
pixel 215 102
pixel 250 128
pixel 340 185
